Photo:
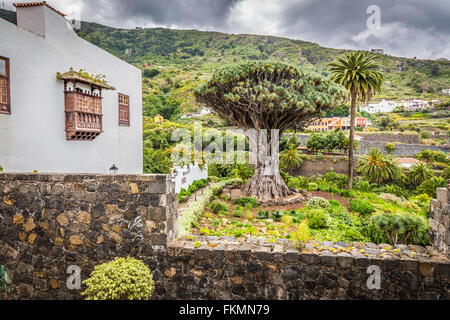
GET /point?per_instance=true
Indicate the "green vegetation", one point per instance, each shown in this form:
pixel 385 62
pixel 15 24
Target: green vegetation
pixel 401 228
pixel 318 202
pixel 196 185
pixel 4 279
pixel 329 141
pixel 363 207
pixel 196 209
pixel 419 173
pixel 248 202
pixel 300 236
pixel 120 279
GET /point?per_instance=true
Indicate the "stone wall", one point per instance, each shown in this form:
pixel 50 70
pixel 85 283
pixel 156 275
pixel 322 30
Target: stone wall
pixel 225 268
pixel 439 220
pixel 313 166
pixel 51 221
pixel 405 145
pixel 393 138
pixel 401 149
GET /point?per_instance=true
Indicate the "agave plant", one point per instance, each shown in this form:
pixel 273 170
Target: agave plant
pixel 379 168
pixel 419 172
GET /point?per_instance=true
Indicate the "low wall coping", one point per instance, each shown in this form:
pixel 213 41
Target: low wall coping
pixel 82 177
pixel 324 251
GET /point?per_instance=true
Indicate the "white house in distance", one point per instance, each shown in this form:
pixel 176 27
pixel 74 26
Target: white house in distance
pixel 383 106
pixel 54 118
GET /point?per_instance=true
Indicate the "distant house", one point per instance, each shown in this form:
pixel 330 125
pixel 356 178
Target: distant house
pixel 158 119
pixel 383 106
pixel 446 92
pixel 416 104
pixel 56 118
pixel 377 51
pixel 330 124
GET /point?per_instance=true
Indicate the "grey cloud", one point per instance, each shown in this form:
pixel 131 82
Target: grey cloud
pixel 408 27
pixel 180 13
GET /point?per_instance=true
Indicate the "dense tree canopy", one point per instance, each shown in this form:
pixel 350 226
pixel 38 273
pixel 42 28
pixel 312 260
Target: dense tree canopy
pixel 269 95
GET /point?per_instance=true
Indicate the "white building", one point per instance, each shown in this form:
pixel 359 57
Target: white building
pixel 83 127
pixel 383 106
pixel 446 92
pixel 186 175
pixel 417 104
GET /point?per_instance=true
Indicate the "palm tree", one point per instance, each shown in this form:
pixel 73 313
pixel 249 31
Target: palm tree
pixel 379 168
pixel 290 158
pixel 358 73
pixel 420 172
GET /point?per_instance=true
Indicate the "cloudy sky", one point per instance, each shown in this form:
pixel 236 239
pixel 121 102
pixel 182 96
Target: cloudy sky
pixel 412 28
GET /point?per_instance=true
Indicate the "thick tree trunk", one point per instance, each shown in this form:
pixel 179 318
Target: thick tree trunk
pixel 266 183
pixel 266 187
pixel 351 142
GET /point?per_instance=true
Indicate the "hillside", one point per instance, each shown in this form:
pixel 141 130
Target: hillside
pixel 176 61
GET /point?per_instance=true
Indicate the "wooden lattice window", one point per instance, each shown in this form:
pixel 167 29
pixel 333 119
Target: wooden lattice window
pixel 124 110
pixel 5 105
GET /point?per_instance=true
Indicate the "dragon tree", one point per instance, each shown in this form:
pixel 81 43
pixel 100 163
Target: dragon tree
pixel 261 96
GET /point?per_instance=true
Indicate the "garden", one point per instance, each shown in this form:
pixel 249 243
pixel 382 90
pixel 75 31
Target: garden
pixel 387 204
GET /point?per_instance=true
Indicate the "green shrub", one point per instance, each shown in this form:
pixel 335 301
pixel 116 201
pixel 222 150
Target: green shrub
pixel 318 202
pixel 395 189
pixel 312 186
pixel 238 212
pixel 362 184
pixel 347 193
pixel 363 207
pixel 390 147
pixel 317 219
pixel 277 214
pixel 248 202
pixel 217 206
pixel 301 236
pixel 340 180
pixel 445 172
pixel 120 279
pixel 297 182
pixel 429 186
pixel 402 228
pixel 263 214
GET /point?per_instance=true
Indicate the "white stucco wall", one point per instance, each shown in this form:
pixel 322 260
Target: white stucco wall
pixel 33 137
pixel 185 176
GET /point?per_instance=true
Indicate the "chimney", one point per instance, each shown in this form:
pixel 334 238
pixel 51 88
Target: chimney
pixel 31 16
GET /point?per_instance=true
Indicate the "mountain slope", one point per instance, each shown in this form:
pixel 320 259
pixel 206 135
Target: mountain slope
pixel 178 60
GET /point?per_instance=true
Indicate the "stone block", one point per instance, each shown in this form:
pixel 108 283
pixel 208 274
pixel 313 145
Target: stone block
pixel 157 214
pixel 157 187
pixel 442 195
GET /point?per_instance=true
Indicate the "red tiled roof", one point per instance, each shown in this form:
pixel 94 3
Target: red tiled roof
pixel 36 4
